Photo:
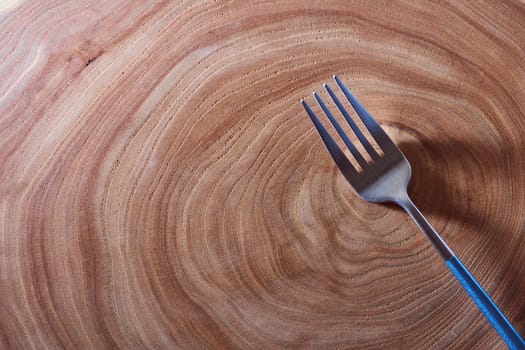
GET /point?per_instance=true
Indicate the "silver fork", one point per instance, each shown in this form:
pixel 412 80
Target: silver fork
pixel 385 179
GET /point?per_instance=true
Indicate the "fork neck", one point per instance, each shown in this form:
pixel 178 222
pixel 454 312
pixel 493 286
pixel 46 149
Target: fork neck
pixel 442 248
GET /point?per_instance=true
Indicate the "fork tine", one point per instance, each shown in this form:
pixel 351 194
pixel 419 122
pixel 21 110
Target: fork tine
pixel 375 129
pixel 337 154
pixel 366 144
pixel 341 132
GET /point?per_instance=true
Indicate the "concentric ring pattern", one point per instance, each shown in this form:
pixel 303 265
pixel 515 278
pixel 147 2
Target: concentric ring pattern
pixel 160 186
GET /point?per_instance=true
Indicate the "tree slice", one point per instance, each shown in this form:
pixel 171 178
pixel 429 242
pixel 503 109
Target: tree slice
pixel 161 186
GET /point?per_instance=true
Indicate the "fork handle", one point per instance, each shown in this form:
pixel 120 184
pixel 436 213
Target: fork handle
pixel 484 302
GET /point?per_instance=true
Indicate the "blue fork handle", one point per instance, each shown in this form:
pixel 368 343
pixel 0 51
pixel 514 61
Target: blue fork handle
pixel 487 306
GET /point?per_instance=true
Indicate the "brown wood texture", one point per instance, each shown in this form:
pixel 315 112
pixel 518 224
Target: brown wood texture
pixel 162 188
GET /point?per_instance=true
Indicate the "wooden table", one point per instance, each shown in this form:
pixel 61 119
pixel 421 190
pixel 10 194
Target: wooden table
pixel 162 188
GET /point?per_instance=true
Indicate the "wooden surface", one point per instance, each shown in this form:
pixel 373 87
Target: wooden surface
pixel 162 188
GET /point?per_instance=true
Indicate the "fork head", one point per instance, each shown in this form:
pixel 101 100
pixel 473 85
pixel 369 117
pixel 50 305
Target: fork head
pixel 383 177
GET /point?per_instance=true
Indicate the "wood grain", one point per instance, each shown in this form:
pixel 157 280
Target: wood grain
pixel 161 187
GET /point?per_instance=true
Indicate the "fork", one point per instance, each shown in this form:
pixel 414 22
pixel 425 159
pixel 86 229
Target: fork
pixel 385 178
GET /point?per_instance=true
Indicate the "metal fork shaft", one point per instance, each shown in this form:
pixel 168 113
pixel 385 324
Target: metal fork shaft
pixel 429 231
